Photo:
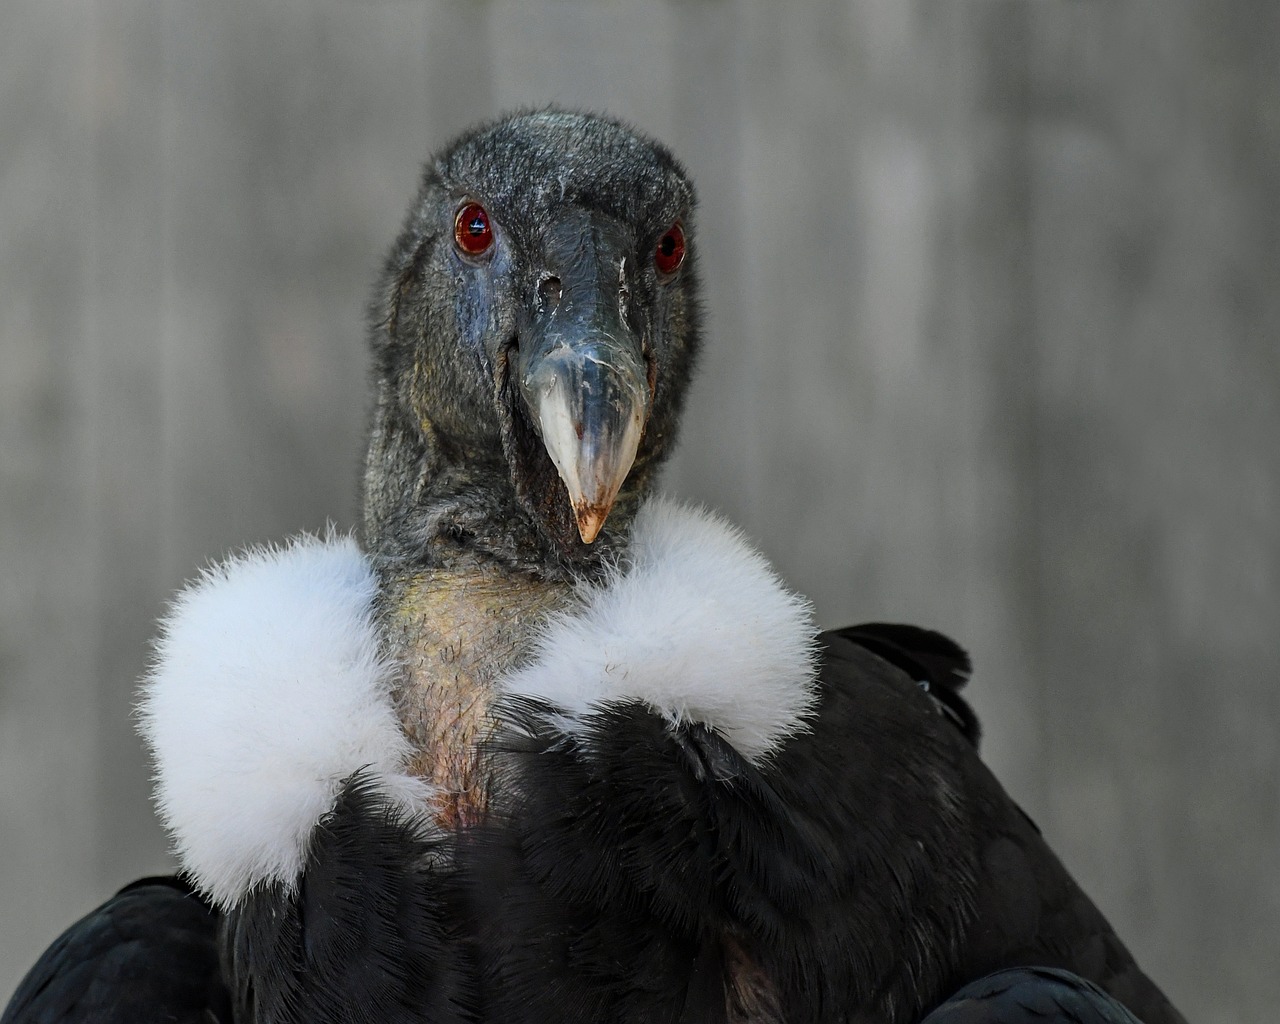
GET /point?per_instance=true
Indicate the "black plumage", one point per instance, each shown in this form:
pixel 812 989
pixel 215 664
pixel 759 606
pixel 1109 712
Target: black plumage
pixel 632 865
pixel 872 867
pixel 148 954
pixel 939 665
pixel 362 937
pixel 1031 995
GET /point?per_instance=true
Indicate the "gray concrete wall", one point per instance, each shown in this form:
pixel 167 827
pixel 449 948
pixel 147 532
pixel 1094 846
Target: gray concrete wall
pixel 993 294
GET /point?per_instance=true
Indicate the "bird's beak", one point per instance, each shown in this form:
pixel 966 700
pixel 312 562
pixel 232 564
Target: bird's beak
pixel 581 369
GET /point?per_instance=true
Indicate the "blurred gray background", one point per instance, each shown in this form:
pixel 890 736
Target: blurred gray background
pixel 993 297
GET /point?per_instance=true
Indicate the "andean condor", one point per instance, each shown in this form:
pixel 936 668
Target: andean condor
pixel 542 746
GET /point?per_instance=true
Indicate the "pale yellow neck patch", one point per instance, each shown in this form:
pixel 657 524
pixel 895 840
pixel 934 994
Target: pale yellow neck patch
pixel 457 631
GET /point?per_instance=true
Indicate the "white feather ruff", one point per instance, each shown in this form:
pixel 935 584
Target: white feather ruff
pixel 268 690
pixel 695 624
pixel 269 687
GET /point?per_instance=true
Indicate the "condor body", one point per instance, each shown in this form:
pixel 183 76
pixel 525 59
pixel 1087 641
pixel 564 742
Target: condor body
pixel 541 746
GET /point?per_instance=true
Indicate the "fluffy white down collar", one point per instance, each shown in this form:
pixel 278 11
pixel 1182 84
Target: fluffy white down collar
pixel 269 687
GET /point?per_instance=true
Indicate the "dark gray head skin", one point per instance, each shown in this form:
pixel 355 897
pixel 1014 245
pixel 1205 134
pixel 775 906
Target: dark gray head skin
pixel 457 465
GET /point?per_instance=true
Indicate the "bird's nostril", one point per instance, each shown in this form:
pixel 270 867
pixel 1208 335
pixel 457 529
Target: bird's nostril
pixel 549 291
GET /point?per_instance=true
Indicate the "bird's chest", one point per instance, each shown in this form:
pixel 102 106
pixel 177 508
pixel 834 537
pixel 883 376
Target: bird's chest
pixel 457 632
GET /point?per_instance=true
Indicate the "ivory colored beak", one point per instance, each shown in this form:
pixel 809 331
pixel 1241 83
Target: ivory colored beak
pixel 581 367
pixel 590 400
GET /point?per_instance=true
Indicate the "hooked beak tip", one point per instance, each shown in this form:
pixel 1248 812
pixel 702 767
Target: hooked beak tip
pixel 590 520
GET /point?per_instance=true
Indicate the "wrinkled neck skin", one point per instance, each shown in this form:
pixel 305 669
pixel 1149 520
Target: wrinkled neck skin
pixel 468 578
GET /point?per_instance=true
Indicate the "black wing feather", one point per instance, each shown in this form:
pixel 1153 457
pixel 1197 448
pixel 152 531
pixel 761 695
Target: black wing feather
pixel 366 936
pixel 869 868
pixel 148 954
pixel 1031 995
pixel 935 662
pixel 592 882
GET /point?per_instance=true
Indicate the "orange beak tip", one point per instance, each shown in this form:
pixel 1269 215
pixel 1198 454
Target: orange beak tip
pixel 590 521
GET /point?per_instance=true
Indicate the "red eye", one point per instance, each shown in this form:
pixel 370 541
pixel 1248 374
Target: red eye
pixel 471 229
pixel 669 253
